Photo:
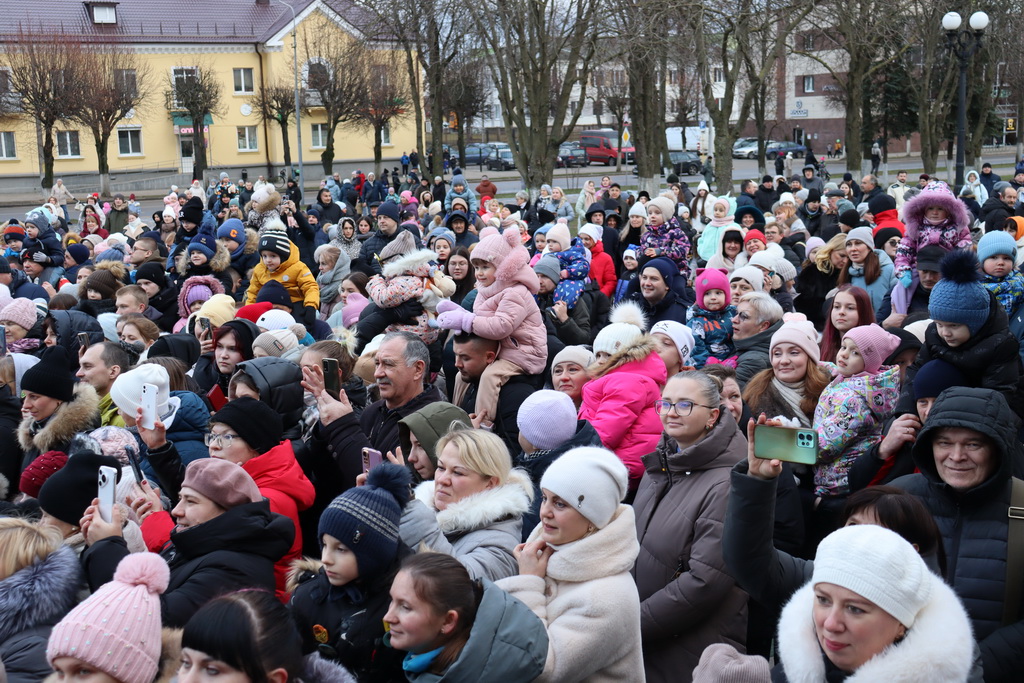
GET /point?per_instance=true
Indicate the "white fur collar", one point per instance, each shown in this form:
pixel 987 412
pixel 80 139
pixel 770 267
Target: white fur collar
pixel 407 262
pixel 939 647
pixel 482 509
pixel 608 551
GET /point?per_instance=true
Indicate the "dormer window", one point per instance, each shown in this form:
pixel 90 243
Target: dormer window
pixel 104 13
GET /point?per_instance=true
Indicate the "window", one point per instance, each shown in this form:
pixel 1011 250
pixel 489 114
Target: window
pixel 808 84
pixel 719 75
pixel 7 149
pixel 319 137
pixel 573 106
pixel 126 81
pixel 247 139
pixel 182 75
pixel 67 144
pixel 598 107
pixel 5 80
pixel 317 75
pixel 809 41
pixel 243 81
pixel 129 142
pixel 385 134
pixel 104 14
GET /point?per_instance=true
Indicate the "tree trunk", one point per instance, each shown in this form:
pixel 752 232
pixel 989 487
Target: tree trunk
pixel 327 156
pixel 101 141
pixel 199 146
pixel 618 152
pixel 286 143
pixel 377 144
pixel 854 114
pixel 643 107
pixel 417 103
pixel 435 79
pixel 723 160
pixel 47 157
pixel 460 131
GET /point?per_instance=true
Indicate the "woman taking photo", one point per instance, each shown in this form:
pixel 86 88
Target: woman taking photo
pixel 870 269
pixel 819 277
pixel 473 508
pixel 574 570
pixel 687 599
pixel 850 308
pixel 792 386
pixel 460 630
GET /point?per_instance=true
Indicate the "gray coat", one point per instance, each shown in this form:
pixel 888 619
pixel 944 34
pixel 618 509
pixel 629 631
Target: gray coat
pixel 480 531
pixel 753 354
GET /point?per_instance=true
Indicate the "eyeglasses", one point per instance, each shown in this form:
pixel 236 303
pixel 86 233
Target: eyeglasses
pixel 223 439
pixel 683 408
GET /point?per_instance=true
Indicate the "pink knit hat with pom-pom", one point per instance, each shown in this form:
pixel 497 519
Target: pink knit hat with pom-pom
pixel 117 628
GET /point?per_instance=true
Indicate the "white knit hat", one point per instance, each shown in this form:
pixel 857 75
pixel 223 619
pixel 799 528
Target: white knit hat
pixel 627 324
pixel 580 355
pixel 595 233
pixel 877 564
pixel 862 234
pixel 763 259
pixel 126 391
pixel 750 274
pixel 681 336
pixel 275 319
pixel 592 480
pixel 276 342
pixel 547 419
pixel 638 209
pixel 560 233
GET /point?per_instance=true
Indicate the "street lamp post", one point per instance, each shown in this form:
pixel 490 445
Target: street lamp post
pixel 964 43
pixel 295 73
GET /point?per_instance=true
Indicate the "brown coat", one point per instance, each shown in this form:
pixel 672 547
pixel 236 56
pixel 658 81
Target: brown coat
pixel 688 600
pixel 487 189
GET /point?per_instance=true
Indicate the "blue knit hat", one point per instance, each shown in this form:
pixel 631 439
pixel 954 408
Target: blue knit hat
pixel 365 518
pixel 668 269
pixel 275 293
pixel 936 376
pixel 959 296
pixel 231 229
pixel 996 242
pixel 204 243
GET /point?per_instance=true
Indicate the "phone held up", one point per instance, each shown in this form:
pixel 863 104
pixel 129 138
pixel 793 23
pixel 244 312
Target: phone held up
pixel 786 444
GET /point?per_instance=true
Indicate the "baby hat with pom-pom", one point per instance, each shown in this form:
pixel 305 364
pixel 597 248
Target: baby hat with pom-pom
pixel 117 628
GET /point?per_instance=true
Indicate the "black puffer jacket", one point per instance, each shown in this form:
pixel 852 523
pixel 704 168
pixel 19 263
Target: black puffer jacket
pixel 235 550
pixel 989 358
pixel 973 523
pixel 68 324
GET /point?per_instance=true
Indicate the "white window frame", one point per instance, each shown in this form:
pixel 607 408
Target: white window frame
pixel 129 130
pixel 174 78
pixel 318 136
pixel 239 74
pixel 104 14
pixel 385 135
pixel 64 138
pixel 8 152
pixel 251 141
pixel 808 84
pixel 305 71
pixel 718 74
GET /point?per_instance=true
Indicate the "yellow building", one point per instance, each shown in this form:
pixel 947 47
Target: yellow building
pixel 246 43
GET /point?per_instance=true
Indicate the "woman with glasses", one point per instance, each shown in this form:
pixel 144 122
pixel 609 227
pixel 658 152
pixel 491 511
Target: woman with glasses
pixel 687 598
pixel 248 433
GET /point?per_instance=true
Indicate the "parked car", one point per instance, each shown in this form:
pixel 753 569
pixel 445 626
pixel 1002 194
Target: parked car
pixel 744 142
pixel 602 147
pixel 683 163
pixel 501 161
pixel 477 154
pixel 749 150
pixel 570 157
pixel 777 149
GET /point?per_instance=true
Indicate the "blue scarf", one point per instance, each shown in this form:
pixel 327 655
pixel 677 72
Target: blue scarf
pixel 418 663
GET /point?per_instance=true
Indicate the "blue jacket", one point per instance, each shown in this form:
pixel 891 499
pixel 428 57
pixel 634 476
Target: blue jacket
pixel 189 427
pixel 712 333
pixel 880 288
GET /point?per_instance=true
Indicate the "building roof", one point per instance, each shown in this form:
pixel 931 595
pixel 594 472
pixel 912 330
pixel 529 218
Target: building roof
pixel 228 22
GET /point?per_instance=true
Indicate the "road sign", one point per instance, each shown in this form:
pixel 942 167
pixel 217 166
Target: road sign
pixel 625 136
pixel 1011 125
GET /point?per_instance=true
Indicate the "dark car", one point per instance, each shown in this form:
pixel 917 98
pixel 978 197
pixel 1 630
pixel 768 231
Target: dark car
pixel 477 154
pixel 502 160
pixel 777 149
pixel 571 157
pixel 683 163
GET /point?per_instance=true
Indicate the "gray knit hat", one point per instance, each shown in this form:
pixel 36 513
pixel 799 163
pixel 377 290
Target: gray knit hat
pixel 549 267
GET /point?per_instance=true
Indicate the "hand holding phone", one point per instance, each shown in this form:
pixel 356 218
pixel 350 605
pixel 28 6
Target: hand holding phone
pixel 371 458
pixel 786 444
pixel 133 460
pixel 149 412
pixel 83 340
pixel 106 483
pixel 332 380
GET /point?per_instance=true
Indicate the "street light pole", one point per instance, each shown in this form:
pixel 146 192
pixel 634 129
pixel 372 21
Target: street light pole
pixel 295 73
pixel 964 43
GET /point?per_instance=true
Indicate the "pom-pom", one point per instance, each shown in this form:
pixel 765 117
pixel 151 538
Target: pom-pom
pixel 630 313
pixel 144 569
pixel 394 479
pixel 960 266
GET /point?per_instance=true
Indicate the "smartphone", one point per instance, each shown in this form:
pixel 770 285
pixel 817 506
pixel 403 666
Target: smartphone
pixel 216 397
pixel 149 413
pixel 83 340
pixel 786 443
pixel 332 381
pixel 133 460
pixel 106 483
pixel 371 458
pixel 204 323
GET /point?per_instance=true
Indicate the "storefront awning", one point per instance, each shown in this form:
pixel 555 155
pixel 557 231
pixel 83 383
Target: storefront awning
pixel 183 124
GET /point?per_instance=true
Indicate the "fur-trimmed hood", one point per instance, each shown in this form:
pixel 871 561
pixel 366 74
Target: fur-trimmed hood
pixel 252 241
pixel 939 647
pixel 41 593
pixel 914 208
pixel 482 509
pixel 221 258
pixel 265 199
pixel 409 263
pixel 81 413
pixel 637 352
pixel 210 281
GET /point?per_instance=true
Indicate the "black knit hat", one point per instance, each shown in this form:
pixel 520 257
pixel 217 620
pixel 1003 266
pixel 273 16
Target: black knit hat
pixel 850 217
pixel 277 243
pixel 193 211
pixel 275 293
pixel 258 424
pixel 69 491
pixel 51 376
pixel 245 332
pixel 154 272
pixel 365 518
pixel 184 347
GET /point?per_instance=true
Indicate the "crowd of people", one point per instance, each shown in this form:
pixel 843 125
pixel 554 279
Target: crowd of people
pixel 410 432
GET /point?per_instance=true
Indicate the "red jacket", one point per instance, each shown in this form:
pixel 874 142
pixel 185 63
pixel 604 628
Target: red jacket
pixel 283 483
pixel 888 219
pixel 602 269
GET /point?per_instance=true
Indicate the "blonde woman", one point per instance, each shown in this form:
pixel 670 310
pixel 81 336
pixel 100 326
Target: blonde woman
pixel 587 196
pixel 820 277
pixel 473 508
pixel 39 579
pixel 559 205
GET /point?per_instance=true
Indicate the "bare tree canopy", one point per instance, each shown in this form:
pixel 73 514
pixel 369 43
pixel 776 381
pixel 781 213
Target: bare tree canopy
pixel 387 96
pixel 195 91
pixel 274 102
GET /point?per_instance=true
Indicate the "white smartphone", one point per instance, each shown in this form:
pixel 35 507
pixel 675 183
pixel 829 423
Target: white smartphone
pixel 106 483
pixel 149 406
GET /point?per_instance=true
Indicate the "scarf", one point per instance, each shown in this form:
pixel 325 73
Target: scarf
pixel 792 394
pixel 23 345
pixel 722 222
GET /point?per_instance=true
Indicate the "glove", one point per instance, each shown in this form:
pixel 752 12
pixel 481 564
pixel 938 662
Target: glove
pixel 906 279
pixel 40 257
pixel 455 318
pixel 309 316
pixel 446 305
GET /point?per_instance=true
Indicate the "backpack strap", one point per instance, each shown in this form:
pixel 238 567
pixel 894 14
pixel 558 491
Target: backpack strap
pixel 1014 553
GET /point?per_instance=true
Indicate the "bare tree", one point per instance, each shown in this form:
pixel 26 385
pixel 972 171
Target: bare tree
pixel 336 81
pixel 118 83
pixel 387 96
pixel 611 92
pixel 538 48
pixel 274 102
pixel 195 91
pixel 45 72
pixel 466 95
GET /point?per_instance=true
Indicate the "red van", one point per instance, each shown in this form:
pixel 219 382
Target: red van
pixel 602 147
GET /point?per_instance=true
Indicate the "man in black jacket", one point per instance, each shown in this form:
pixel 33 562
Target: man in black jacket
pixel 766 195
pixel 387 230
pixel 998 207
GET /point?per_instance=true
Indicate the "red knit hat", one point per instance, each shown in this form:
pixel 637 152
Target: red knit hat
pixel 36 474
pixel 252 312
pixel 755 235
